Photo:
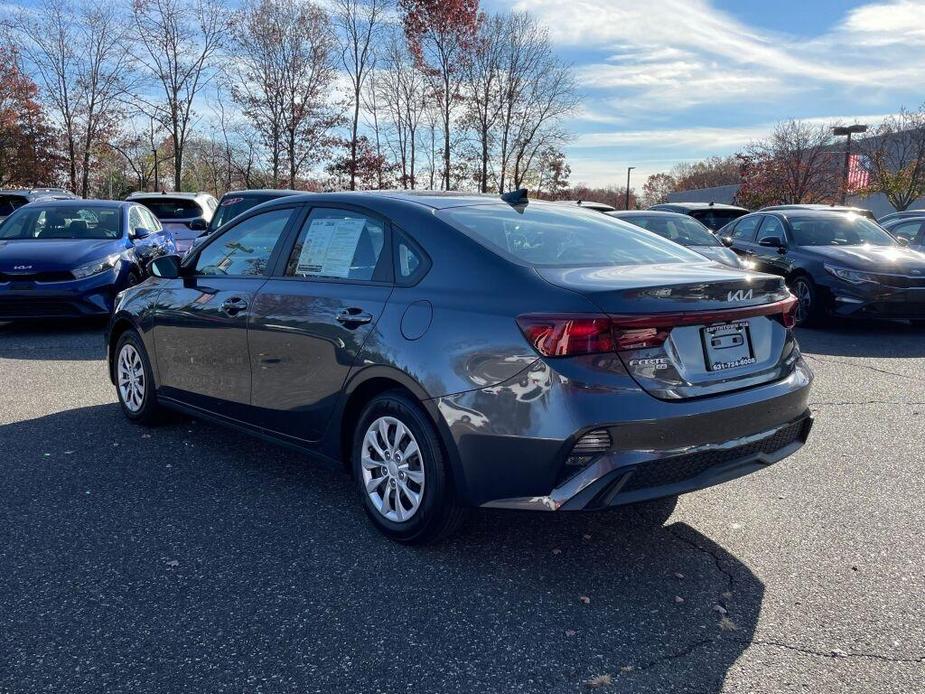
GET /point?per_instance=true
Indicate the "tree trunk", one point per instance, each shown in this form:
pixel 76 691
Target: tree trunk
pixel 353 140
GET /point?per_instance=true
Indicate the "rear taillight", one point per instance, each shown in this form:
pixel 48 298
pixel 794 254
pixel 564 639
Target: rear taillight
pixel 557 335
pixel 563 336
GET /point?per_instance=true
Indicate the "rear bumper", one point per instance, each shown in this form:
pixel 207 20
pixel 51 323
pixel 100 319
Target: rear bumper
pixel 512 442
pixel 92 296
pixel 616 479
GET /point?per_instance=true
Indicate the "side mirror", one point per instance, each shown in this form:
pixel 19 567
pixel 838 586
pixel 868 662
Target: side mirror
pixel 726 241
pixel 771 242
pixel 902 240
pixel 166 267
pixel 139 233
pixel 198 224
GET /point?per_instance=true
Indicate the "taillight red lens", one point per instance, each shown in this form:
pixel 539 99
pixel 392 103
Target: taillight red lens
pixel 562 336
pixel 789 315
pixel 639 338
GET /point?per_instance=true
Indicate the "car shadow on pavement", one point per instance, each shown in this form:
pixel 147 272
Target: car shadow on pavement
pixel 863 339
pixel 192 558
pixel 53 339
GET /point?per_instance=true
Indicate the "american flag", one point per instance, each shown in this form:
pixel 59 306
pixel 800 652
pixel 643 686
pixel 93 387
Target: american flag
pixel 858 173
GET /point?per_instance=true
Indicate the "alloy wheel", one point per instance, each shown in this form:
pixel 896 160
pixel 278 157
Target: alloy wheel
pixel 804 300
pixel 131 377
pixel 393 469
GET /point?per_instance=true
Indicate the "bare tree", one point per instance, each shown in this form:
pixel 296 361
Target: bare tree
pixel 360 24
pixel 180 41
pixel 401 91
pixel 484 76
pixel 79 58
pixel 537 91
pixel 894 156
pixel 795 164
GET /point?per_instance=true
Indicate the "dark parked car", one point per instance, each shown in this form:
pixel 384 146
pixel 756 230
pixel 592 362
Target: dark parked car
pixel 238 202
pixel 910 230
pixel 588 205
pixel 185 215
pixel 712 215
pixel 69 258
pixel 836 264
pixel 864 212
pixel 458 351
pixel 13 199
pixel 685 230
pixel 900 215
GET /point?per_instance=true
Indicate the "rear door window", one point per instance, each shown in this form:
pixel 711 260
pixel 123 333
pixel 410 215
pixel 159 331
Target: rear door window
pixel 338 244
pixel 745 230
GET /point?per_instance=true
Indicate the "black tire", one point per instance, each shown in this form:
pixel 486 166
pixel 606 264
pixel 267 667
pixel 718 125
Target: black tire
pixel 809 312
pixel 658 511
pixel 148 411
pixel 438 514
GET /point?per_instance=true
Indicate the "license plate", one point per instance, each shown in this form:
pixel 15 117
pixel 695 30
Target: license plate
pixel 727 346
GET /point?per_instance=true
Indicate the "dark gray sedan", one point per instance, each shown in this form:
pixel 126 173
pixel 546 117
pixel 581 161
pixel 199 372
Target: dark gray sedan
pixel 457 351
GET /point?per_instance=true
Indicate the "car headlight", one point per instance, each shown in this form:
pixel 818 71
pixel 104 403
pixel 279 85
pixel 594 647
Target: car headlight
pixel 851 276
pixel 746 264
pixel 97 266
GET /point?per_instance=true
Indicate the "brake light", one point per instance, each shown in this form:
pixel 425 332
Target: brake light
pixel 788 316
pixel 562 336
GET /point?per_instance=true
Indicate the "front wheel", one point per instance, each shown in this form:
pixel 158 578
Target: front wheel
pixel 134 380
pixel 402 476
pixel 808 309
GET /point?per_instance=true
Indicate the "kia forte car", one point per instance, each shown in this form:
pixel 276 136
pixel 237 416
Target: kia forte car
pixel 185 215
pixel 457 351
pixel 69 258
pixel 837 264
pixel 685 230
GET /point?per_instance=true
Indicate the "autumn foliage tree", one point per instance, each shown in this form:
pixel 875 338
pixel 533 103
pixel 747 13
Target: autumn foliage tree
pixel 894 156
pixel 441 34
pixel 27 141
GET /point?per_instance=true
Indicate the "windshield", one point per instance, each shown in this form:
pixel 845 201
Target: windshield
pixel 681 229
pixel 10 203
pixel 716 219
pixel 231 207
pixel 544 235
pixel 838 230
pixel 63 222
pixel 172 208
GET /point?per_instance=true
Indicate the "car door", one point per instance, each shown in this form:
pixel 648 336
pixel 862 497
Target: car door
pixel 311 320
pixel 772 259
pixel 200 331
pixel 743 236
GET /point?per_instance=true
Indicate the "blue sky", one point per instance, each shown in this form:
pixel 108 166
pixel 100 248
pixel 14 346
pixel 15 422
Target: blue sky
pixel 669 80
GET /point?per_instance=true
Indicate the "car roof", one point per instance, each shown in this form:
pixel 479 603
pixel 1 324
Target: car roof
pixel 815 207
pixel 261 191
pixel 589 204
pixel 648 213
pixel 696 206
pixel 70 202
pixel 167 194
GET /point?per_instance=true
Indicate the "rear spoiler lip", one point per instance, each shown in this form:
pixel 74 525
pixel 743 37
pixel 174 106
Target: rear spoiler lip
pixel 670 320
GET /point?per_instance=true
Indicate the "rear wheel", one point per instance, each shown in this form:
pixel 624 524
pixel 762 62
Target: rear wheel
pixel 809 310
pixel 135 380
pixel 401 473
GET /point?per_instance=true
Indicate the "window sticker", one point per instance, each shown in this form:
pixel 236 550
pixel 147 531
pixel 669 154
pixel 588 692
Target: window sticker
pixel 329 247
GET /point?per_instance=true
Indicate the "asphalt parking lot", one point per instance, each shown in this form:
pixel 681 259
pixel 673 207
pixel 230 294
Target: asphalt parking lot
pixel 189 558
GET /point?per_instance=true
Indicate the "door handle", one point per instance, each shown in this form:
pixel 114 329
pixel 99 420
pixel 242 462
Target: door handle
pixel 234 305
pixel 354 316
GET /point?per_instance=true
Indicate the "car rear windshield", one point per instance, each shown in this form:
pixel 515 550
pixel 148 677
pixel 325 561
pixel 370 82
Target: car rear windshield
pixel 683 230
pixel 547 235
pixel 11 203
pixel 838 230
pixel 63 222
pixel 231 207
pixel 172 208
pixel 716 219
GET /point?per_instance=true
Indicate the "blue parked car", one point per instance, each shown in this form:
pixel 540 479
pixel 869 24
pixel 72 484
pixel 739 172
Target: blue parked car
pixel 69 258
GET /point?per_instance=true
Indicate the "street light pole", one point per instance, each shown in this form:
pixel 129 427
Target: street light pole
pixel 842 131
pixel 629 169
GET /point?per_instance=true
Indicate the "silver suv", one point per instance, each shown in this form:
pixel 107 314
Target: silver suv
pixel 185 215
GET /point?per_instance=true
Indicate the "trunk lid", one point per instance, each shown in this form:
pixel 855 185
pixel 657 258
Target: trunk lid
pixel 718 329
